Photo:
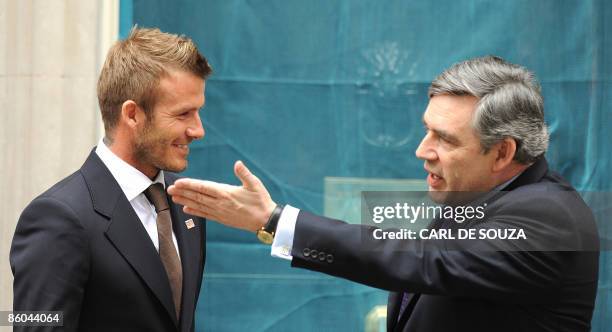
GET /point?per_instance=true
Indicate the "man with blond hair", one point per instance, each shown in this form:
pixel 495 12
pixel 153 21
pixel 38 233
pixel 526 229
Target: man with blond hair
pixel 104 246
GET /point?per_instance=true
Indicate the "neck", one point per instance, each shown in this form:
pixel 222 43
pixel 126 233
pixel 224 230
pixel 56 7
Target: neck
pixel 124 149
pixel 513 170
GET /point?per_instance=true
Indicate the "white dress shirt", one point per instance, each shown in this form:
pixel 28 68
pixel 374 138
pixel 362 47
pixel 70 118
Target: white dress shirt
pixel 133 183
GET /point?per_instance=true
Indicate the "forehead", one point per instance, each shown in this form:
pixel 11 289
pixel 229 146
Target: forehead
pixel 181 89
pixel 450 113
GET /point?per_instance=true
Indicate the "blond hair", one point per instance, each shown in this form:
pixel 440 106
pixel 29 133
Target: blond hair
pixel 134 66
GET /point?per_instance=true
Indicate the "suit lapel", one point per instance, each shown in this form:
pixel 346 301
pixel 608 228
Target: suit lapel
pixel 402 320
pixel 125 230
pixel 394 320
pixel 189 248
pixel 132 241
pixel 393 305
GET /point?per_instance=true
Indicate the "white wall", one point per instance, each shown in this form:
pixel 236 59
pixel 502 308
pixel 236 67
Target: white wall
pixel 50 54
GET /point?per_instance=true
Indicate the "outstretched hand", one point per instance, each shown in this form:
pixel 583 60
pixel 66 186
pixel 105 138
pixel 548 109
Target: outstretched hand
pixel 245 207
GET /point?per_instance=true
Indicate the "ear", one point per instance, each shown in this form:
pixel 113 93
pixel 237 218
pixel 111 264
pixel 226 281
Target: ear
pixel 504 154
pixel 132 115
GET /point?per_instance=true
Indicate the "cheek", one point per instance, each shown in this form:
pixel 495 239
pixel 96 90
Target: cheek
pixel 458 169
pixel 159 134
pixel 451 163
pixel 173 131
pixel 475 169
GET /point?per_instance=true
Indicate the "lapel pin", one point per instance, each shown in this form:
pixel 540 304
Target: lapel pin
pixel 189 223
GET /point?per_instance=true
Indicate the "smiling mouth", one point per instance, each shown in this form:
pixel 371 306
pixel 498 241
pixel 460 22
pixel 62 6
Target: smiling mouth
pixel 182 147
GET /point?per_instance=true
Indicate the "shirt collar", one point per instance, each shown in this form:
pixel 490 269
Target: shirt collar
pixel 132 181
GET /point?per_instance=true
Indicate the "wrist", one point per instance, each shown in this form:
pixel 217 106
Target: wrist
pixel 263 221
pixel 266 232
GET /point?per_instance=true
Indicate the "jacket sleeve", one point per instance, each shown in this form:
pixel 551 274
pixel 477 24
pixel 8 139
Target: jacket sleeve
pixel 425 266
pixel 49 259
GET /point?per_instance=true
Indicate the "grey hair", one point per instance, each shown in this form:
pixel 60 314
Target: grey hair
pixel 510 103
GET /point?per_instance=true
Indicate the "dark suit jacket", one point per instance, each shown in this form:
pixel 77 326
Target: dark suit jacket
pixel 80 248
pixel 545 284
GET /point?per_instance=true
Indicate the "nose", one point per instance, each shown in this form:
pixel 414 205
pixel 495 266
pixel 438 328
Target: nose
pixel 426 150
pixel 196 130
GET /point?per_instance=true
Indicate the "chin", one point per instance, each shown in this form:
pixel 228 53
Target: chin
pixel 174 167
pixel 437 196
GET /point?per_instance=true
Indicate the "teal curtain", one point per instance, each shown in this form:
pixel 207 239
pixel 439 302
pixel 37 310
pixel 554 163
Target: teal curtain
pixel 304 90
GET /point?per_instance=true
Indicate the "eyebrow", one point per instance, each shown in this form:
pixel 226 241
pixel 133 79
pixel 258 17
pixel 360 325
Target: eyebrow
pixel 187 109
pixel 442 133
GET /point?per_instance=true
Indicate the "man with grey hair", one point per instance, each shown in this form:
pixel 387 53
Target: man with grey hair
pixel 485 133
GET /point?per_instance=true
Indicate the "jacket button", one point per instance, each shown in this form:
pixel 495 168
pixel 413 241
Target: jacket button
pixel 314 253
pixel 330 258
pixel 322 256
pixel 306 252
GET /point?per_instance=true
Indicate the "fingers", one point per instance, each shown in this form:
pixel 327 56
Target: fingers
pixel 194 197
pixel 200 213
pixel 195 207
pixel 249 181
pixel 196 212
pixel 198 202
pixel 208 188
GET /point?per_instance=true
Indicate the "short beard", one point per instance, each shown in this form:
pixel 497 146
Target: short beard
pixel 146 146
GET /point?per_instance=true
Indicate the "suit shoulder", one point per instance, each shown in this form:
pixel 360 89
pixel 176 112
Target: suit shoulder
pixel 553 194
pixel 62 189
pixel 553 208
pixel 64 184
pixel 71 192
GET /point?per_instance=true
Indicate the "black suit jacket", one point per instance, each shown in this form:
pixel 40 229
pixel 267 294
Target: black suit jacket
pixel 80 248
pixel 545 284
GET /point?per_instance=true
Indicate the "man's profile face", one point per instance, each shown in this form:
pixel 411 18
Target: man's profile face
pixel 451 148
pixel 162 144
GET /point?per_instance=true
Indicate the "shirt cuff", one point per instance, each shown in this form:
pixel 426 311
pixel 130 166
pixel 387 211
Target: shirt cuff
pixel 283 239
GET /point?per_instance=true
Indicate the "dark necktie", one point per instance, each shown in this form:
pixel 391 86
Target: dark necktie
pixel 167 252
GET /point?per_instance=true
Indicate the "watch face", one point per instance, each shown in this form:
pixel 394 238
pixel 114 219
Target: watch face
pixel 265 237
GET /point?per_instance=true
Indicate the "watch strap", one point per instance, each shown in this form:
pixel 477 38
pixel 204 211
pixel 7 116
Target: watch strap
pixel 272 223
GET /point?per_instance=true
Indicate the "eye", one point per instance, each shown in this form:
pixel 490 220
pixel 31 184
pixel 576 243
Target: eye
pixel 447 141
